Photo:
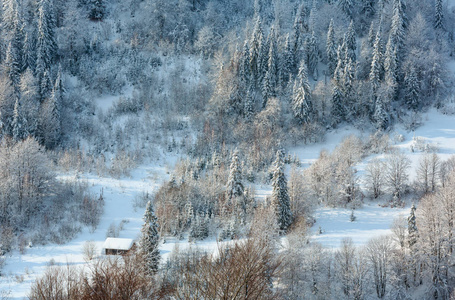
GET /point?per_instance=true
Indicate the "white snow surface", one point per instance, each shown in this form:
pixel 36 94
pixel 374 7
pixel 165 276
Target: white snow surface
pixel 371 220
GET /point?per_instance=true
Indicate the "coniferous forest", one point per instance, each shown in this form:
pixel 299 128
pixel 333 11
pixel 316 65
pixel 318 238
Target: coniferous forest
pixel 226 98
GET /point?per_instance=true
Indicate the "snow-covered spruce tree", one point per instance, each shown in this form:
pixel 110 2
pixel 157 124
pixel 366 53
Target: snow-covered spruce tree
pixel 12 65
pixel 244 67
pixel 347 7
pixel 255 42
pixel 46 45
pixel 302 105
pixel 9 13
pixel 338 109
pixel 371 34
pixel 280 197
pixel 234 186
pixel 150 240
pixel 263 61
pixel 350 41
pixel 267 88
pixel 397 27
pixel 391 65
pixel 367 7
pixel 313 15
pixel 439 15
pixel 331 49
pixel 30 99
pixel 381 115
pixel 249 106
pixel 271 77
pixel 287 63
pixel 339 70
pixel 199 227
pixel 97 9
pixel 273 58
pixel 376 70
pixel 19 123
pixel 347 85
pixel 44 85
pixel 412 228
pixel 412 87
pixel 29 53
pixel 51 115
pixel 311 55
pixel 300 28
pixel 18 39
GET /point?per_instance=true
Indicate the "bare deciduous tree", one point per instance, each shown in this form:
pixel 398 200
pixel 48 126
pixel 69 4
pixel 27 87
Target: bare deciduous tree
pixel 396 176
pixel 375 176
pixel 378 251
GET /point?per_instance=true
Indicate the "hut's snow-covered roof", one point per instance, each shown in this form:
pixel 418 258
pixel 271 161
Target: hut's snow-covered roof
pixel 117 243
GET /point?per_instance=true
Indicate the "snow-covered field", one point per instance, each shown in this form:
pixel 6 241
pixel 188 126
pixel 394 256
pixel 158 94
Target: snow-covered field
pixel 119 194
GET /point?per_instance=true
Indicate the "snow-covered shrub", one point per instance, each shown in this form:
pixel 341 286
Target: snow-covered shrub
pixel 112 230
pixel 420 144
pixel 378 142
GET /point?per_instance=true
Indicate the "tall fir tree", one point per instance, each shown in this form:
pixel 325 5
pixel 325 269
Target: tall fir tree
pixel 371 34
pixel 97 10
pixel 439 15
pixel 280 197
pixel 397 28
pixel 376 69
pixel 287 63
pixel 46 45
pixel 244 67
pixel 311 55
pixel 12 66
pixel 51 120
pixel 350 41
pixel 331 49
pixel 412 86
pixel 412 228
pixel 300 28
pixel 347 7
pixel 313 16
pixel 249 106
pixel 347 84
pixel 270 83
pixel 255 42
pixel 10 10
pixel 19 126
pixel 30 98
pixel 263 60
pixel 18 41
pixel 338 74
pixel 391 61
pixel 268 90
pixel 234 186
pixel 338 111
pixel 367 7
pixel 302 105
pixel 380 115
pixel 29 53
pixel 150 241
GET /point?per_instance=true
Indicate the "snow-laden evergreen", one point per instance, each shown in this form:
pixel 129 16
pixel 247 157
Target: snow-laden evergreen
pixel 280 197
pixel 234 186
pixel 301 97
pixel 150 240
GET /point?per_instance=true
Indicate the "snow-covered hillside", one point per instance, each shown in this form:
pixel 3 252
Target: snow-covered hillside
pixel 121 194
